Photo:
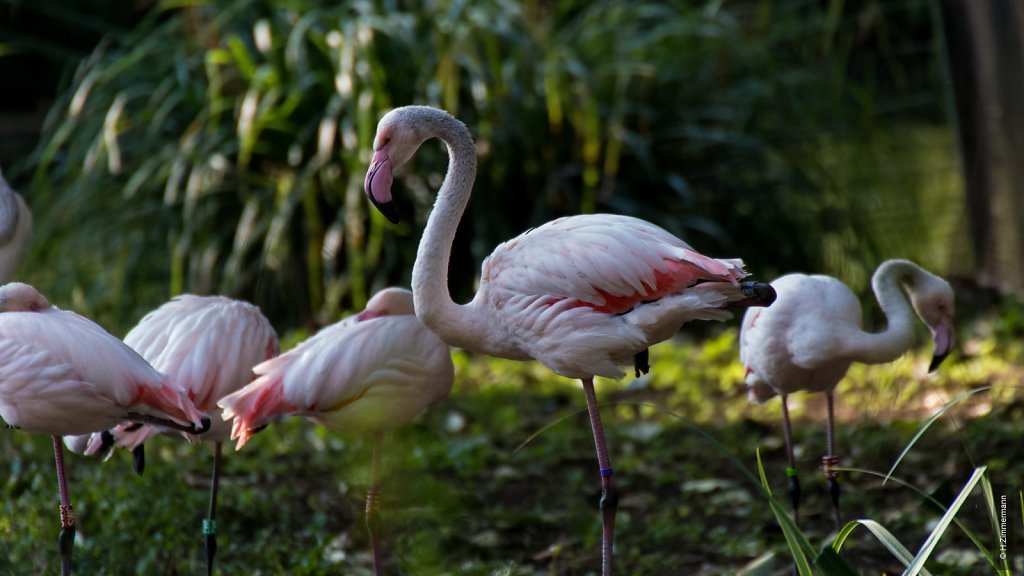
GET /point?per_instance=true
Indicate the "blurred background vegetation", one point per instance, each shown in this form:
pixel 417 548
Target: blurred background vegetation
pixel 217 146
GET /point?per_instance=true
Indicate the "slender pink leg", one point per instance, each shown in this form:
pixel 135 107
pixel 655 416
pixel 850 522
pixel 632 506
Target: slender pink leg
pixel 67 514
pixel 791 474
pixel 609 497
pixel 210 522
pixel 373 506
pixel 829 462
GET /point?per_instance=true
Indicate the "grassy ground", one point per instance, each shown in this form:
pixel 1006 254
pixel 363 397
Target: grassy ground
pixel 464 495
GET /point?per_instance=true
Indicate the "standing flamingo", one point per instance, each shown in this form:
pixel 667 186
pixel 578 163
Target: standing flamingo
pixel 62 374
pixel 208 346
pixel 813 332
pixel 15 229
pixel 582 294
pixel 371 372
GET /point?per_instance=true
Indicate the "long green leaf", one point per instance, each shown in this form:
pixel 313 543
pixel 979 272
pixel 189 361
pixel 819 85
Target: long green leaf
pixel 928 423
pixel 917 566
pixel 881 533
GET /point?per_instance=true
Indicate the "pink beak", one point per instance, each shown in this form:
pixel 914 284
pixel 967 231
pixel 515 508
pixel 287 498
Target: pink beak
pixel 378 183
pixel 944 337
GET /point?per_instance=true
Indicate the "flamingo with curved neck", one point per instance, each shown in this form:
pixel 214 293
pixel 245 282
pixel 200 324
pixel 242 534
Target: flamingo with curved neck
pixel 583 294
pixel 810 336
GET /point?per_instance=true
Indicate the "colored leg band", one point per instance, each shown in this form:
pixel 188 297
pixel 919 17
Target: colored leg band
pixel 790 471
pixel 606 472
pixel 209 526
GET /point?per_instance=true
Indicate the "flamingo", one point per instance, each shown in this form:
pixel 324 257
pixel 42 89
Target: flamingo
pixel 15 229
pixel 369 373
pixel 62 374
pixel 582 294
pixel 813 332
pixel 208 346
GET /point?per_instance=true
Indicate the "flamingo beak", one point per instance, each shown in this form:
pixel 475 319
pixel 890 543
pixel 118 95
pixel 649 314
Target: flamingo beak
pixel 367 314
pixel 944 337
pixel 378 183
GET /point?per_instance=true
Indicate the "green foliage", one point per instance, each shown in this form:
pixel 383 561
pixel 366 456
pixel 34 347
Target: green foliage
pixel 221 145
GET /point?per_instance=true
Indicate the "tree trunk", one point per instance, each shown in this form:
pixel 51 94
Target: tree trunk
pixel 985 40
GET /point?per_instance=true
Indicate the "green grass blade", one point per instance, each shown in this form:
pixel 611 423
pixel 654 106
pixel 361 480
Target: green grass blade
pixel 882 534
pixel 990 504
pixel 978 543
pixel 798 545
pixel 917 566
pixel 928 423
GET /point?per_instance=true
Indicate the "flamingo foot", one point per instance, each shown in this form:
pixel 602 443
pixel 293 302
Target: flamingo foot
pixel 373 527
pixel 794 493
pixel 609 506
pixel 828 464
pixel 209 543
pixel 642 362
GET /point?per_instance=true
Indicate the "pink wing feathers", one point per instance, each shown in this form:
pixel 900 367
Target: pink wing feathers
pixel 352 376
pixel 205 344
pixel 607 262
pixel 64 374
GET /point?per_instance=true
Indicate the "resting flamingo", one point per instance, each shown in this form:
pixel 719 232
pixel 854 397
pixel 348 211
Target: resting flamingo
pixel 208 346
pixel 15 230
pixel 369 373
pixel 583 294
pixel 812 333
pixel 62 374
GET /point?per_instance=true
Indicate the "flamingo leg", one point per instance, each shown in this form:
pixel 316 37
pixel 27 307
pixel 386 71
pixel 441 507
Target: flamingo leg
pixel 791 473
pixel 609 496
pixel 373 506
pixel 66 539
pixel 829 462
pixel 210 523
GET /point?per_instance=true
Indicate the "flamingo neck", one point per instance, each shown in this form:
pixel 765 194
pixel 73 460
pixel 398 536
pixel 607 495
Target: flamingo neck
pixel 889 283
pixel 455 324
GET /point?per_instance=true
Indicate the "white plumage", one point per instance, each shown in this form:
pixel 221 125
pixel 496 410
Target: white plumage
pixel 62 374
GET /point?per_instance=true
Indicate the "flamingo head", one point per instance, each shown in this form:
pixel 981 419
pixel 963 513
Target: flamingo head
pixel 399 134
pixel 388 302
pixel 932 299
pixel 18 297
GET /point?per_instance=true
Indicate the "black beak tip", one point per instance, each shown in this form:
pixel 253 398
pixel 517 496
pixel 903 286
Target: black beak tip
pixel 936 361
pixel 760 293
pixel 205 420
pixel 387 209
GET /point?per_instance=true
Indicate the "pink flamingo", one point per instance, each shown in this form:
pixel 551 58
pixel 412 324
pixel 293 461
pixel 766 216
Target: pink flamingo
pixel 62 374
pixel 583 294
pixel 812 333
pixel 15 229
pixel 208 346
pixel 371 372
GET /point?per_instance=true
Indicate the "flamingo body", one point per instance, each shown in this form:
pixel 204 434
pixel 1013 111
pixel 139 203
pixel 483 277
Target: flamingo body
pixel 810 336
pixel 813 332
pixel 585 294
pixel 368 373
pixel 797 343
pixel 207 345
pixel 62 374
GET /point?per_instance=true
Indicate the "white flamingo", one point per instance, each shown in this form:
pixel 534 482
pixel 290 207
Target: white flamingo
pixel 583 295
pixel 208 346
pixel 62 374
pixel 812 333
pixel 369 373
pixel 15 230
